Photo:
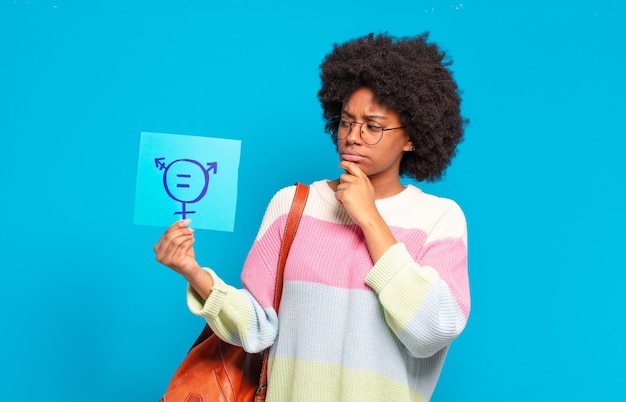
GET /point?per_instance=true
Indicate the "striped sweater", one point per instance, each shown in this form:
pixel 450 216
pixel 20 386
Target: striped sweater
pixel 348 329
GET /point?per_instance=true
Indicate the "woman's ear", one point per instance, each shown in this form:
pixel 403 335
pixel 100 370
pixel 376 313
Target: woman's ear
pixel 409 147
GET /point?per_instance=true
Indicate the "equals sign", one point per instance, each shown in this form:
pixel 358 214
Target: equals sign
pixel 183 185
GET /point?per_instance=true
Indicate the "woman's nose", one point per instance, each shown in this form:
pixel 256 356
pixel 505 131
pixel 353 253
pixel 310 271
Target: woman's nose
pixel 354 135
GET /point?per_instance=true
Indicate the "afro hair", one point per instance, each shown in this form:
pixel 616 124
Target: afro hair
pixel 410 76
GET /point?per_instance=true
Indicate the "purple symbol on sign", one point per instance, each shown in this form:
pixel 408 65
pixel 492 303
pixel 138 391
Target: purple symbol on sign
pixel 185 181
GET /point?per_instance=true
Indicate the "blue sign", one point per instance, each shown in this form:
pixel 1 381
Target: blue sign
pixel 187 177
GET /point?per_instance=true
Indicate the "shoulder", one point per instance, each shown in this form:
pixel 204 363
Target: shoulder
pixel 283 198
pixel 440 204
pixel 415 197
pixel 281 201
pixel 319 191
pixel 414 208
pixel 448 219
pixel 283 195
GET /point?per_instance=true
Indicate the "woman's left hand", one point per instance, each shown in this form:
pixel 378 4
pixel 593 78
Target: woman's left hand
pixel 356 193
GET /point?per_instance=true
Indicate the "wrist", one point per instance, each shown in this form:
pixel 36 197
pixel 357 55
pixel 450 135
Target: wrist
pixel 192 272
pixel 200 280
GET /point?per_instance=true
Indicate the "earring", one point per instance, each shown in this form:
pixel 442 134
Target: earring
pixel 412 149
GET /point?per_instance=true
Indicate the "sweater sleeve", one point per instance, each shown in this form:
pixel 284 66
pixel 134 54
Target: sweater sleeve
pixel 246 317
pixel 234 315
pixel 425 297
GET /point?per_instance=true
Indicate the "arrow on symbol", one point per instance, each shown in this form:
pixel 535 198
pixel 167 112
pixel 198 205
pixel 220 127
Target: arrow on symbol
pixel 159 164
pixel 212 166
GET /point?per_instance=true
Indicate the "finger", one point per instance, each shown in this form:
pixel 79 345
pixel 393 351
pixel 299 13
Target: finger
pixel 171 242
pixel 346 178
pixel 177 241
pixel 345 165
pixel 351 168
pixel 175 229
pixel 180 252
pixel 179 224
pixel 174 255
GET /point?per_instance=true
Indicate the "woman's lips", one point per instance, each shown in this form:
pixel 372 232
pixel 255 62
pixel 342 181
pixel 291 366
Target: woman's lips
pixel 350 156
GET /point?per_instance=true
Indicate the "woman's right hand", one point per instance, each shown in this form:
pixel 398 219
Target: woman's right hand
pixel 175 248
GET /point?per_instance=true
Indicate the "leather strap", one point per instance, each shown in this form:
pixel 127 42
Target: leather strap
pixel 293 219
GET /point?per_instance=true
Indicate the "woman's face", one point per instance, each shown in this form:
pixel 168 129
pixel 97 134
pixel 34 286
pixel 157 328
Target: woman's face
pixel 379 161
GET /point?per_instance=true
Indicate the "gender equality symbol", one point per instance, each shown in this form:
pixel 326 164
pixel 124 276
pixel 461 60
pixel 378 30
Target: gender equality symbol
pixel 185 181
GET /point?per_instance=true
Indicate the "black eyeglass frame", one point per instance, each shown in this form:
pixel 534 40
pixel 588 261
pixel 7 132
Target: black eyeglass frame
pixel 339 120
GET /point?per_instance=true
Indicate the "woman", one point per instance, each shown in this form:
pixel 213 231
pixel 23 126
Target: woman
pixel 376 283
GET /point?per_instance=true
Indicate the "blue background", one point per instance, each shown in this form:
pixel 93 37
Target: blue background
pixel 86 311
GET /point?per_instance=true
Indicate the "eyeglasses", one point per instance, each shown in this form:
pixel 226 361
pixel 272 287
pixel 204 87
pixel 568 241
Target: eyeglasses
pixel 371 131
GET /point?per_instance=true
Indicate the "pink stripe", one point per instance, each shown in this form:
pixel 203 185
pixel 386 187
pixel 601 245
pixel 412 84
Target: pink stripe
pixel 337 258
pixel 259 269
pixel 449 258
pixel 340 258
pixel 259 282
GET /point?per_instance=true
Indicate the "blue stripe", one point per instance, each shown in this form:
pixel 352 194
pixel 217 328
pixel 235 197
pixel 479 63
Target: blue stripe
pixel 337 329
